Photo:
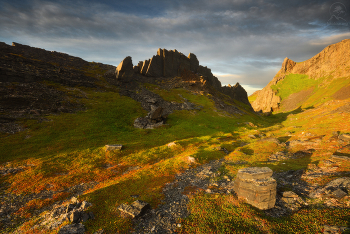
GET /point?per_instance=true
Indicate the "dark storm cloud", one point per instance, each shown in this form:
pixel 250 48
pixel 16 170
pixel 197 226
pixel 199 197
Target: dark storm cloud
pixel 246 40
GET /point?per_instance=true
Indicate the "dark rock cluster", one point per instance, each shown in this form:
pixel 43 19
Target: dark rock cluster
pixel 171 63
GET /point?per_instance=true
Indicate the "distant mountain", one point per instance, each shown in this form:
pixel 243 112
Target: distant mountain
pixel 321 78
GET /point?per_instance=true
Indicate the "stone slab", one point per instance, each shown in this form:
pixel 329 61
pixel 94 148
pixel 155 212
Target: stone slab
pixel 254 173
pixel 113 147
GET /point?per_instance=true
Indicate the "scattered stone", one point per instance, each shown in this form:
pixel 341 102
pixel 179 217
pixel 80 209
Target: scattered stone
pixel 292 201
pixel 339 194
pixel 305 144
pixel 76 228
pixel 339 158
pixel 251 124
pixel 191 159
pixel 271 139
pixel 344 137
pixel 279 156
pixel 223 149
pixel 252 136
pixel 334 229
pixel 136 209
pixel 113 147
pixel 256 185
pixel 171 144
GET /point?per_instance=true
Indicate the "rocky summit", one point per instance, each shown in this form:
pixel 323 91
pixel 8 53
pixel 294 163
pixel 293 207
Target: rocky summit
pixel 161 147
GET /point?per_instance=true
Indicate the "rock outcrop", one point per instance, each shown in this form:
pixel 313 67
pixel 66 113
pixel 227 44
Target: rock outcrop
pixel 125 69
pixel 236 92
pixel 171 63
pixel 333 61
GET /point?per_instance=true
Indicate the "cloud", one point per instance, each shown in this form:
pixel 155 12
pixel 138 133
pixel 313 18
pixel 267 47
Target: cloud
pixel 242 41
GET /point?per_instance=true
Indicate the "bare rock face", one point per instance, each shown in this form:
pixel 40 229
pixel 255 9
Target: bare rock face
pixel 256 185
pixel 287 65
pixel 125 69
pixel 323 64
pixel 236 92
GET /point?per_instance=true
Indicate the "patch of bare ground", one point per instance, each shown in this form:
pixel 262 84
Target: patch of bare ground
pixel 343 93
pixel 294 100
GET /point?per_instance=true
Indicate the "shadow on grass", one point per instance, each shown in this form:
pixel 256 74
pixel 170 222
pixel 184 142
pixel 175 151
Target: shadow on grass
pixel 280 117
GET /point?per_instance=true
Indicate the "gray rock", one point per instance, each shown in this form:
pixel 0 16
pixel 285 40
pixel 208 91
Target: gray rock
pixel 125 69
pixel 76 228
pixel 157 114
pixel 145 67
pixel 344 137
pixel 339 194
pixel 113 147
pixel 194 63
pixel 75 216
pixel 136 209
pixel 155 67
pixel 334 229
pixel 340 158
pixel 256 186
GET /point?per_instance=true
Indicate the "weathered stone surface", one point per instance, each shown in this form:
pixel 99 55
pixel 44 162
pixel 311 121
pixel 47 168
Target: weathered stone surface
pixel 145 67
pixel 113 147
pixel 257 186
pixel 340 158
pixel 125 69
pixel 136 209
pixel 254 173
pixel 344 137
pixel 334 229
pixel 157 114
pixel 155 67
pixel 236 92
pixel 194 63
pixel 76 228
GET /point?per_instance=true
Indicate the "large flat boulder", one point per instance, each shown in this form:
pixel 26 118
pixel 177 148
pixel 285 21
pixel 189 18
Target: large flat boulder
pixel 256 186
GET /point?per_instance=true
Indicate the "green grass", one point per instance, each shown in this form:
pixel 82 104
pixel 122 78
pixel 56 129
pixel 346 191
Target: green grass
pixel 293 83
pixel 226 214
pixel 69 150
pixel 252 98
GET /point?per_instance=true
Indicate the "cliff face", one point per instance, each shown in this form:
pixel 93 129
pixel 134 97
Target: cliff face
pixel 171 63
pixel 332 61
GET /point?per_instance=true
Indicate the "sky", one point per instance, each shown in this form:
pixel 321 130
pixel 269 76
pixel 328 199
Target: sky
pixel 241 41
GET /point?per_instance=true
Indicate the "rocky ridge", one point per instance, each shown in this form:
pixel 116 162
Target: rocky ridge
pixel 332 61
pixel 171 63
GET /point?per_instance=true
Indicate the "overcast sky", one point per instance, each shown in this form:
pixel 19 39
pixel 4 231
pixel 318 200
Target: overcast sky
pixel 241 41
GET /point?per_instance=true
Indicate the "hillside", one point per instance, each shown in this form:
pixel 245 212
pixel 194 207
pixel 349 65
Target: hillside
pixel 183 137
pixel 322 78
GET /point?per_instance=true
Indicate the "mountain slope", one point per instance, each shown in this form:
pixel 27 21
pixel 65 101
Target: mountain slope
pixel 311 82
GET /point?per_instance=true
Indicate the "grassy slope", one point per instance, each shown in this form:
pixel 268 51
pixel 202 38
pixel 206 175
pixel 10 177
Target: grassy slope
pixel 69 151
pixel 324 88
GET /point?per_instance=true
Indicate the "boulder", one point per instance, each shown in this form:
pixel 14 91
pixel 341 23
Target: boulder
pixel 344 137
pixel 75 228
pixel 136 209
pixel 125 69
pixel 256 186
pixel 113 147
